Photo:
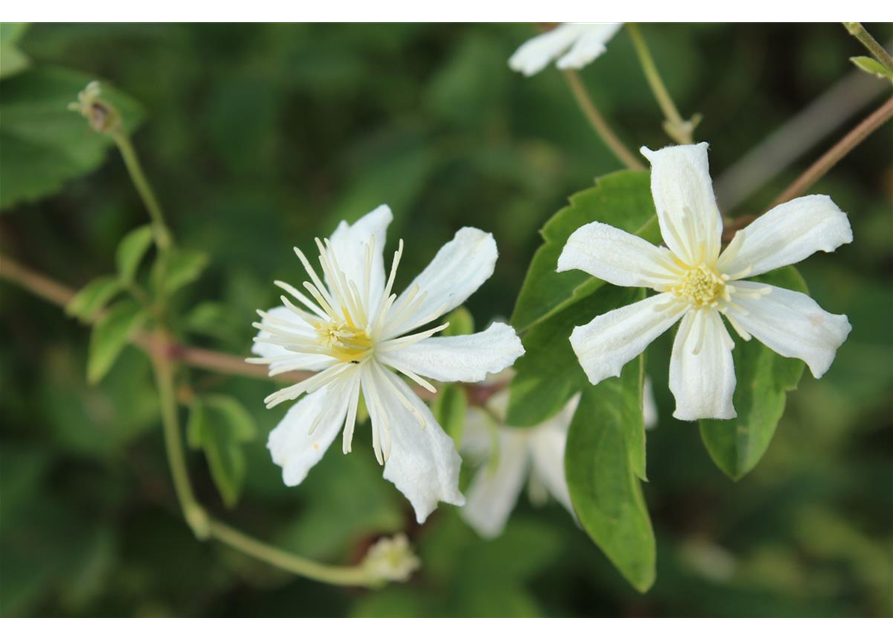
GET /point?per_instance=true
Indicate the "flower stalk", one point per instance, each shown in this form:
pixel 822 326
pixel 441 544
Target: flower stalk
pixel 874 47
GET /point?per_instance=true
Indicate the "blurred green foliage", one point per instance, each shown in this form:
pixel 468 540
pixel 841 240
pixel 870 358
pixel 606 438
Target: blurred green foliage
pixel 259 137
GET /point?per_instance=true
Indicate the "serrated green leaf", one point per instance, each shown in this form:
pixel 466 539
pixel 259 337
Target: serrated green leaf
pixel 605 491
pixel 42 143
pixel 219 424
pixel 110 334
pixel 131 250
pixel 621 199
pixel 178 268
pixel 461 323
pixel 449 407
pixel 872 66
pixel 764 378
pixel 92 299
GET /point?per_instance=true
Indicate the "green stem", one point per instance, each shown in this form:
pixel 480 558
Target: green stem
pixel 677 128
pixel 874 47
pixel 599 124
pixel 162 236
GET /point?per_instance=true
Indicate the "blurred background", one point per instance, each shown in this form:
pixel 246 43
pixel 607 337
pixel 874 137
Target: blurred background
pixel 259 137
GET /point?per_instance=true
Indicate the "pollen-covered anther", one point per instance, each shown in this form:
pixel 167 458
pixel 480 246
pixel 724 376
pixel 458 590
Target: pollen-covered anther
pixel 344 341
pixel 702 286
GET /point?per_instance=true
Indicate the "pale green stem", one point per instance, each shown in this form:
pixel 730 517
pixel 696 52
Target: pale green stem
pixel 162 236
pixel 874 47
pixel 677 128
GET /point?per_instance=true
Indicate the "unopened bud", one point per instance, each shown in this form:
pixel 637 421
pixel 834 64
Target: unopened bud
pixel 102 116
pixel 391 559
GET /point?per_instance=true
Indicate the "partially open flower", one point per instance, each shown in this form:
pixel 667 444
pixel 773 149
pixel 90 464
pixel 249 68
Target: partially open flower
pixel 358 336
pixel 102 116
pixel 572 44
pixel 699 285
pixel 391 559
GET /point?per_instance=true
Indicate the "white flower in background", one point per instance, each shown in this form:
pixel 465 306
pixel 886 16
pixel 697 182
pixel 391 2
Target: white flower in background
pixel 391 559
pixel 572 44
pixel 511 455
pixel 357 335
pixel 697 284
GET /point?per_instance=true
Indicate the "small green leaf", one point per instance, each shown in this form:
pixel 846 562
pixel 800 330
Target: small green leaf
pixel 219 425
pixel 131 250
pixel 872 66
pixel 604 489
pixel 621 199
pixel 449 409
pixel 178 268
pixel 764 378
pixel 12 59
pixel 93 298
pixel 110 334
pixel 214 320
pixel 461 323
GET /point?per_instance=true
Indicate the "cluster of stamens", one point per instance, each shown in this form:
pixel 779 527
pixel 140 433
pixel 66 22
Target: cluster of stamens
pixel 702 286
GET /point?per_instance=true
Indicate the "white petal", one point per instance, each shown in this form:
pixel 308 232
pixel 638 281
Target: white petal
pixel 791 324
pixel 589 46
pixel 466 358
pixel 349 242
pixel 297 361
pixel 533 56
pixel 460 267
pixel 787 234
pixel 616 256
pixel 611 340
pixel 495 488
pixel 690 222
pixel 547 447
pixel 291 443
pixel 702 374
pixel 422 461
pixel 649 406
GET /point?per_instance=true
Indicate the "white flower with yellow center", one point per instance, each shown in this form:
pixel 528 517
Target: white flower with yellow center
pixel 358 335
pixel 697 284
pixel 510 455
pixel 572 44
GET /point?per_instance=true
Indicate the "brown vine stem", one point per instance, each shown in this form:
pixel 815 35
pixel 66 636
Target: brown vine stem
pixel 849 142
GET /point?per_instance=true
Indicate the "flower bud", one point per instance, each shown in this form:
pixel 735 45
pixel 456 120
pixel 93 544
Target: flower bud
pixel 391 559
pixel 102 116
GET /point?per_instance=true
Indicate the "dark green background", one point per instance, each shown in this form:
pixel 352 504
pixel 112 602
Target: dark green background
pixel 258 137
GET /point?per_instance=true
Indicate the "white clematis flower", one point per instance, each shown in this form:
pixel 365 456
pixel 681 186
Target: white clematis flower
pixel 511 455
pixel 698 285
pixel 573 44
pixel 357 336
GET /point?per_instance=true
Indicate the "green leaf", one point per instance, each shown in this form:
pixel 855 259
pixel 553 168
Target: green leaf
pixel 131 250
pixel 109 336
pixel 178 268
pixel 92 299
pixel 622 200
pixel 605 491
pixel 219 425
pixel 449 407
pixel 213 319
pixel 872 66
pixel 12 59
pixel 461 323
pixel 764 378
pixel 548 374
pixel 42 143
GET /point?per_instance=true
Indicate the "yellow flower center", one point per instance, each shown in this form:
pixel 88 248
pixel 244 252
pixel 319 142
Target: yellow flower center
pixel 345 341
pixel 702 285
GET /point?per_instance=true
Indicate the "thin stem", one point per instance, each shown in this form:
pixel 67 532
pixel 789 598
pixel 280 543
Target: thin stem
pixel 601 127
pixel 677 128
pixel 345 576
pixel 874 47
pixel 162 235
pixel 849 142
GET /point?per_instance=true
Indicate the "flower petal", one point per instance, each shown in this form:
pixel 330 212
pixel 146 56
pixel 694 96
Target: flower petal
pixel 616 256
pixel 295 361
pixel 649 406
pixel 547 446
pixel 494 490
pixel 690 222
pixel 533 56
pixel 422 460
pixel 702 374
pixel 460 267
pixel 791 324
pixel 611 340
pixel 787 234
pixel 292 444
pixel 348 242
pixel 589 46
pixel 467 358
